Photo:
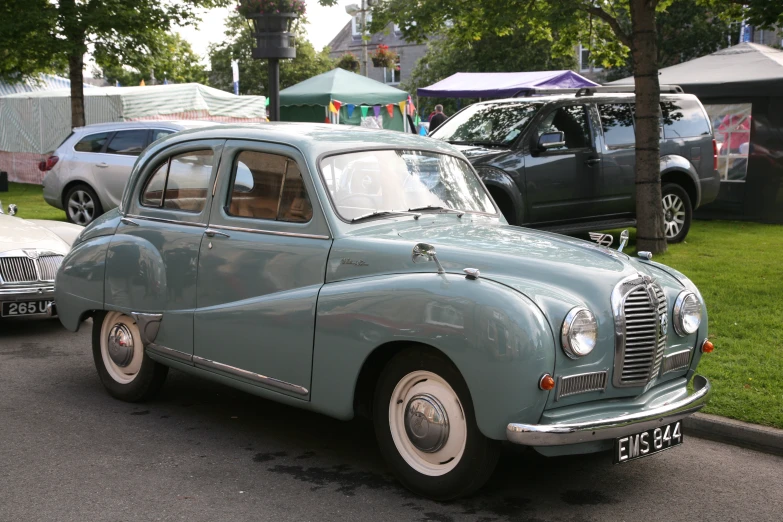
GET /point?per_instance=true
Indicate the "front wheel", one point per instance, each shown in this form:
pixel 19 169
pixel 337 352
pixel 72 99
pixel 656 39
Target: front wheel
pixel 426 427
pixel 125 370
pixel 677 212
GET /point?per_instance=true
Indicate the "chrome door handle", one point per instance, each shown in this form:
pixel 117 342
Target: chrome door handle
pixel 212 233
pixel 592 161
pixel 102 165
pixel 126 221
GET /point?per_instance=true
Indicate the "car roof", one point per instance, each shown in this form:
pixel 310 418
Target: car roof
pixel 602 96
pixel 313 139
pixel 146 124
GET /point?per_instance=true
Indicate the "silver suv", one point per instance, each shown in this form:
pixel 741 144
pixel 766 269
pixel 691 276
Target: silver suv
pixel 87 173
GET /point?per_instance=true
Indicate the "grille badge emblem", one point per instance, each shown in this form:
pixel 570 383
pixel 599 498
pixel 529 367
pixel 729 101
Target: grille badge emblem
pixel 32 254
pixel 664 321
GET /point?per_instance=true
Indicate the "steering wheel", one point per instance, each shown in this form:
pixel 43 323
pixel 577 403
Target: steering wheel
pixel 357 200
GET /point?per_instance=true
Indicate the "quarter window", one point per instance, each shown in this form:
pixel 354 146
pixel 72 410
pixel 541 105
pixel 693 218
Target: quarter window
pixel 571 121
pixel 268 186
pixel 683 119
pixel 128 143
pixel 617 124
pixel 92 143
pixel 182 183
pixel 158 134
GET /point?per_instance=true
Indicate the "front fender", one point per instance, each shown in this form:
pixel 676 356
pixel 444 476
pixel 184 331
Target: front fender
pixel 498 339
pixel 497 179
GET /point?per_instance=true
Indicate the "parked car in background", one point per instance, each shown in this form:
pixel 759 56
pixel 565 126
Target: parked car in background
pixel 31 251
pixel 87 173
pixel 357 272
pixel 566 162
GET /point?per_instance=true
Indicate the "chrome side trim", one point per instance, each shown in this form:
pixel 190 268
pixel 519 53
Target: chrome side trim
pixel 170 353
pixel 126 221
pixel 581 383
pixel 32 291
pixel 200 362
pixel 148 324
pixel 676 361
pixel 269 232
pixel 172 221
pixel 610 427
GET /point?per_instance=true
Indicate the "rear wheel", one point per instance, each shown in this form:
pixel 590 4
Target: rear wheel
pixel 125 370
pixel 426 427
pixel 82 205
pixel 677 212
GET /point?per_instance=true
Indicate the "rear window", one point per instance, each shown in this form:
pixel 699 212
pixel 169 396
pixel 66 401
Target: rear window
pixel 92 143
pixel 181 183
pixel 683 119
pixel 617 124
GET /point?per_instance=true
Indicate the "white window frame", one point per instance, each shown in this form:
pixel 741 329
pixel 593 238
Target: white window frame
pixel 396 81
pixel 586 67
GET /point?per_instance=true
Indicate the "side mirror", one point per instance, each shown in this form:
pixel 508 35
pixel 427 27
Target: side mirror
pixel 424 252
pixel 551 140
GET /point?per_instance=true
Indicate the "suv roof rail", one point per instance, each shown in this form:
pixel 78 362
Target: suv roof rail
pixel 589 91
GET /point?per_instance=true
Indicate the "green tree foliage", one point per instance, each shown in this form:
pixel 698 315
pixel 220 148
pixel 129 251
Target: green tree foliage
pixel 41 35
pixel 253 74
pixel 447 55
pixel 170 58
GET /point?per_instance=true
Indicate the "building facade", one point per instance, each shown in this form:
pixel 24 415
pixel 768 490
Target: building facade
pixel 349 39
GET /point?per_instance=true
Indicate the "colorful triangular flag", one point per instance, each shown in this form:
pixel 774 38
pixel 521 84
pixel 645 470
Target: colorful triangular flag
pixel 365 110
pixel 350 108
pixel 377 110
pixel 402 107
pixel 390 109
pixel 332 108
pixel 327 120
pixel 141 83
pixel 337 105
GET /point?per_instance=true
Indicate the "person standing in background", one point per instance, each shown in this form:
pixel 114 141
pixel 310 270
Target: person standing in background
pixel 437 118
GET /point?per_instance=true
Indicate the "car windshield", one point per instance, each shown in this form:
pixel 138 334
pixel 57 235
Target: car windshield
pixel 497 124
pixel 377 183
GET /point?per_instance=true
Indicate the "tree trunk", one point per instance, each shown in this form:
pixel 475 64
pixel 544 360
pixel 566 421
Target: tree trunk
pixel 649 209
pixel 76 74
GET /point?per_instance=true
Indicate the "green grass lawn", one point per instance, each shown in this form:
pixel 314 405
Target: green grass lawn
pixel 738 268
pixel 29 199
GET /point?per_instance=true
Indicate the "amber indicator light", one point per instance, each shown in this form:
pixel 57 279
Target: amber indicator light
pixel 707 347
pixel 547 382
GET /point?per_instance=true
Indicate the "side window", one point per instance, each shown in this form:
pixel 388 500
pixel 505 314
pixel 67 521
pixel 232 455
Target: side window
pixel 92 143
pixel 268 186
pixel 683 119
pixel 158 134
pixel 572 122
pixel 617 123
pixel 128 143
pixel 182 183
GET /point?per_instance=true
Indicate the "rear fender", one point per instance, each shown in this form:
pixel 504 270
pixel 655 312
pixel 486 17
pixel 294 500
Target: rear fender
pixel 497 338
pixel 79 285
pixel 676 169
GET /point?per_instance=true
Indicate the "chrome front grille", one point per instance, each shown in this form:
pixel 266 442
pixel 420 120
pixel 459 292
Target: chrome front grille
pixel 676 361
pixel 48 266
pixel 582 383
pixel 24 269
pixel 641 327
pixel 18 270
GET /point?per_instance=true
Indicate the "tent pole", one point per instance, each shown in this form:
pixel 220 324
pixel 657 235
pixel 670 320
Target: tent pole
pixel 274 89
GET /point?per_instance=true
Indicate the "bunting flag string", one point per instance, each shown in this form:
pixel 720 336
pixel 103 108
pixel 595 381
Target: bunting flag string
pixel 332 108
pixel 365 110
pixel 390 109
pixel 350 108
pixel 377 110
pixel 337 105
pixel 402 107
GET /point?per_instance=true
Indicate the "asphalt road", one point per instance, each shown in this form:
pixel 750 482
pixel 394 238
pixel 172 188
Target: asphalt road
pixel 200 451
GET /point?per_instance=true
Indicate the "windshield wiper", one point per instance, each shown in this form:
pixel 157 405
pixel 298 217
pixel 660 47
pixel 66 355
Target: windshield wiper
pixel 459 213
pixel 385 213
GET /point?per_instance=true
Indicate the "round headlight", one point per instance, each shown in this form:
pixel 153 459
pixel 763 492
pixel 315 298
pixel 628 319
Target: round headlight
pixel 579 332
pixel 687 313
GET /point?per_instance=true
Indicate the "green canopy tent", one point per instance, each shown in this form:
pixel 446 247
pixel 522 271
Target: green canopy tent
pixel 354 98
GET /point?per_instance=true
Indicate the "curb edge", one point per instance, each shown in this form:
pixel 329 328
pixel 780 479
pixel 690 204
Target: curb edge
pixel 738 433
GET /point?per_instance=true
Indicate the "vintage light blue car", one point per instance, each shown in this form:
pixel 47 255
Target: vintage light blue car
pixel 357 272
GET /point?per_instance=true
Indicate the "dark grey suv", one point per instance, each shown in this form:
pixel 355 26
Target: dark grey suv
pixel 567 162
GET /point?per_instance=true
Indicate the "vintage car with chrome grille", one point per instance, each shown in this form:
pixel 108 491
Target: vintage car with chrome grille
pixel 31 251
pixel 355 272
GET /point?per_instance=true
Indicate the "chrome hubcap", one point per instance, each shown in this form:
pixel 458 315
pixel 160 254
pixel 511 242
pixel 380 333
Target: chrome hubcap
pixel 81 207
pixel 674 214
pixel 426 423
pixel 120 345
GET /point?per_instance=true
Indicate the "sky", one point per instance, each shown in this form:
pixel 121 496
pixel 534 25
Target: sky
pixel 325 22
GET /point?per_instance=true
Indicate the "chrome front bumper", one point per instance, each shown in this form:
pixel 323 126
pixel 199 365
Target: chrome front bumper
pixel 611 427
pixel 29 293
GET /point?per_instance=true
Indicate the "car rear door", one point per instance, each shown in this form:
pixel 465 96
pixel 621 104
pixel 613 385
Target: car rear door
pixel 262 264
pixel 113 168
pixel 616 192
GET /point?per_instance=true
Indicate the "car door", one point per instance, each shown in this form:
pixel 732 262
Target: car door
pixel 261 267
pixel 560 183
pixel 113 168
pixel 617 190
pixel 152 263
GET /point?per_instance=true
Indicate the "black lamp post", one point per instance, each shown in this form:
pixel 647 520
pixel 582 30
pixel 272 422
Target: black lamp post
pixel 274 42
